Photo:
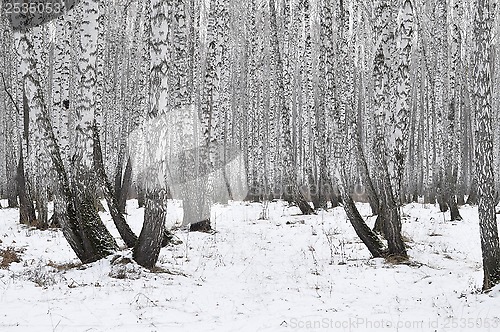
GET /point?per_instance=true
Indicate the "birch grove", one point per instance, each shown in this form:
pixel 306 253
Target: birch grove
pixel 314 102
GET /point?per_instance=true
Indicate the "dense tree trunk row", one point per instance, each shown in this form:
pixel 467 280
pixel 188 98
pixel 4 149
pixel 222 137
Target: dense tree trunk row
pixel 322 101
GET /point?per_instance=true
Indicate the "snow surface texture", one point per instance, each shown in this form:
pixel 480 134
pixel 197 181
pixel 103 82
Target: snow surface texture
pixel 288 273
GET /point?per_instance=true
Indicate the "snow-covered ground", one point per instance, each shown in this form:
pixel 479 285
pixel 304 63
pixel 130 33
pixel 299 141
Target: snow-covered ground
pixel 288 273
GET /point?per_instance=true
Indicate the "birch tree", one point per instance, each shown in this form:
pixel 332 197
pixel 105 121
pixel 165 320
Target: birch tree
pixel 148 246
pixel 343 85
pixel 7 95
pixel 389 208
pixel 488 227
pixel 290 173
pixel 75 208
pixel 453 110
pixel 27 214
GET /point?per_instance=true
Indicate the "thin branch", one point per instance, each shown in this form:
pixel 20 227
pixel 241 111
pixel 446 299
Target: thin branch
pixel 10 95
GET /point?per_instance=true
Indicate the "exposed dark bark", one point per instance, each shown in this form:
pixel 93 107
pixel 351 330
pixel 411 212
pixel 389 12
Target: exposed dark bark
pixel 314 197
pixel 430 197
pixel 367 180
pixel 379 224
pixel 117 186
pixel 389 214
pixel 414 198
pixel 368 184
pixel 168 237
pixel 301 202
pixel 96 239
pixel 12 201
pixel 125 187
pixel 89 236
pixel 147 249
pixel 27 214
pixel 42 208
pixel 65 214
pixel 443 205
pixel 392 231
pixel 325 189
pixel 12 191
pixel 54 220
pixel 452 202
pixel 335 197
pixel 313 190
pixel 121 224
pixel 80 222
pixel 141 195
pixel 389 220
pixel 369 238
pixel 451 170
pixel 26 118
pixel 454 212
pixel 472 199
pixel 98 204
pixel 199 226
pixel 195 215
pixel 202 226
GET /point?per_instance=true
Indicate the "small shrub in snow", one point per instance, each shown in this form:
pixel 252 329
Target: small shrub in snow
pixel 42 275
pixel 124 268
pixel 64 266
pixel 9 256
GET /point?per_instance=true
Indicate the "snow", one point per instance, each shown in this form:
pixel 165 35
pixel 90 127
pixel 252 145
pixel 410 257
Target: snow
pixel 288 273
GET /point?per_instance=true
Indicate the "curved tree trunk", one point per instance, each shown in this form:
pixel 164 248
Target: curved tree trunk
pixel 121 224
pixel 76 212
pixel 369 238
pixel 148 246
pixel 125 187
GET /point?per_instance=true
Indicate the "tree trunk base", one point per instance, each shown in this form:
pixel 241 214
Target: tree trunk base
pixel 335 200
pixel 149 243
pixel 12 203
pixel 454 212
pixel 202 226
pixel 369 238
pixel 169 238
pixel 304 207
pixel 472 199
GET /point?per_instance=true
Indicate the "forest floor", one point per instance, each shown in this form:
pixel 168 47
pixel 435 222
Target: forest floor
pixel 288 273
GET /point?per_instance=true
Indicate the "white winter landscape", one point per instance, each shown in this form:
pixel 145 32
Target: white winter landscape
pixel 288 273
pixel 257 165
